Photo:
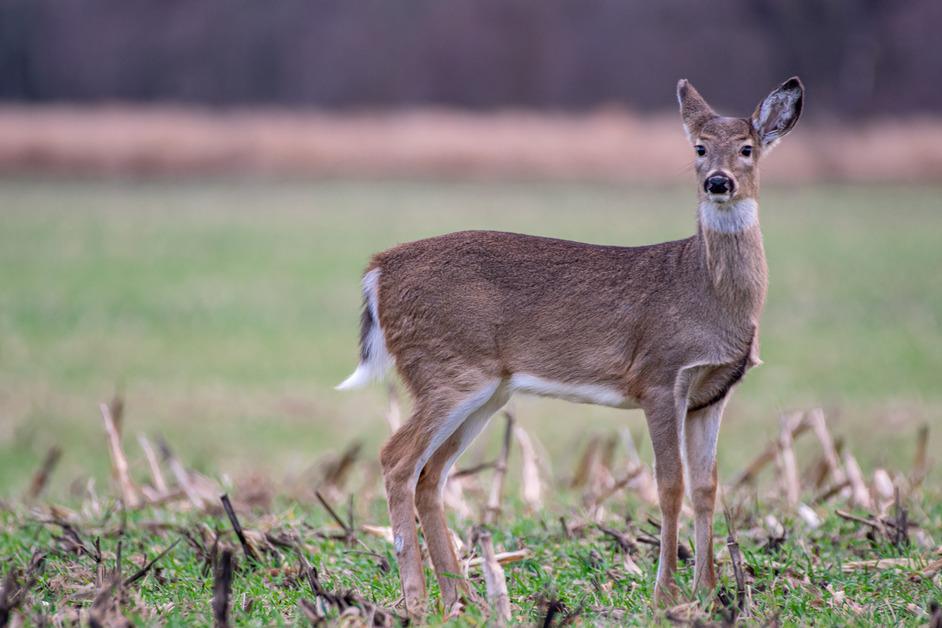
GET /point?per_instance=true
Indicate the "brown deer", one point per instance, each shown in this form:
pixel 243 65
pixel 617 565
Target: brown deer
pixel 470 318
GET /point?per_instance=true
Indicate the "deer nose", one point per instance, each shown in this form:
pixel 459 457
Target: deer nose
pixel 718 184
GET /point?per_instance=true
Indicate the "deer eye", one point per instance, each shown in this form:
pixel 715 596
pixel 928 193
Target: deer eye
pixel 746 151
pixel 700 149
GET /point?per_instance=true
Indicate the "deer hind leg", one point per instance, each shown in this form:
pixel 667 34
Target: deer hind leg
pixel 437 415
pixel 664 427
pixel 428 501
pixel 700 433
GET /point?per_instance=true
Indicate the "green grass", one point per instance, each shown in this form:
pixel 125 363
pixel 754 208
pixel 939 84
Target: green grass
pixel 795 582
pixel 226 311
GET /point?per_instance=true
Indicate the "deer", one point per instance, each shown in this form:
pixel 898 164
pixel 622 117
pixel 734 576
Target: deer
pixel 470 318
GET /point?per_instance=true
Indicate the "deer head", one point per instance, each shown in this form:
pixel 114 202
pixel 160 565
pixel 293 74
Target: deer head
pixel 728 149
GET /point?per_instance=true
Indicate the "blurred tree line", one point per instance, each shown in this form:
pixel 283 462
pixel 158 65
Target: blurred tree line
pixel 857 57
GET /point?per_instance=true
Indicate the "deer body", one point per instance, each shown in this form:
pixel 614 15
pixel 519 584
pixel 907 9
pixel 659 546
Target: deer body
pixel 470 318
pixel 596 324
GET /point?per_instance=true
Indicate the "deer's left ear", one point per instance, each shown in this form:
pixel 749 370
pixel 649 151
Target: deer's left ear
pixel 779 112
pixel 694 110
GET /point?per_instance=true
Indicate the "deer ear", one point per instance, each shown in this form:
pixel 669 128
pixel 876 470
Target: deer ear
pixel 694 110
pixel 779 112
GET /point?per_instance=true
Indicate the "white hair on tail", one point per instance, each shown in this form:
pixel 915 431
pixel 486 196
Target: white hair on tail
pixel 377 360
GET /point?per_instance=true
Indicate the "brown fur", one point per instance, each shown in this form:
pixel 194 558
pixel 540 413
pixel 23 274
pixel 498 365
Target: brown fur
pixel 671 327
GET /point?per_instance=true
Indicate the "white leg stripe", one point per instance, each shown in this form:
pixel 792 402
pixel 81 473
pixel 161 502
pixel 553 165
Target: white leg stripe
pixel 452 422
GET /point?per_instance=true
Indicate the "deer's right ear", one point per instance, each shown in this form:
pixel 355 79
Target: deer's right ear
pixel 694 111
pixel 779 112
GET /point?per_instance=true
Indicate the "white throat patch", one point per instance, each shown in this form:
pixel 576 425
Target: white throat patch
pixel 729 217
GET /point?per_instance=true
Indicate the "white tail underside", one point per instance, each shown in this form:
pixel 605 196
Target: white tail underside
pixel 378 359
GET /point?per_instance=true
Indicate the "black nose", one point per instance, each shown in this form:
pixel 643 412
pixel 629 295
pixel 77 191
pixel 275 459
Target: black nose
pixel 718 184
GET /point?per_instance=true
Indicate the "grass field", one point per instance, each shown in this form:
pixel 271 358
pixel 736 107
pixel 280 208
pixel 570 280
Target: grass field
pixel 225 311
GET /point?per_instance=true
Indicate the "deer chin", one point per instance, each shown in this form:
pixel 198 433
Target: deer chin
pixel 720 200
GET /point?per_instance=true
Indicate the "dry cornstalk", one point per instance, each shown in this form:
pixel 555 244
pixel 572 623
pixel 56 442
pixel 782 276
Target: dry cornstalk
pixel 630 566
pixel 140 573
pixel 151 495
pixel 119 463
pixel 901 523
pixel 774 527
pixel 393 410
pixel 788 466
pixel 830 492
pixel 453 497
pixel 817 474
pixel 105 609
pixel 157 476
pixel 932 569
pixel 91 505
pixel 13 593
pixel 935 619
pixel 618 485
pixel 531 485
pixel 41 477
pixel 207 488
pixel 503 558
pixel 237 527
pixel 627 545
pixel 742 589
pixel 492 510
pixel 819 425
pixel 859 493
pixel 628 442
pixel 348 531
pixel 882 489
pixel 222 587
pixel 181 475
pixel 601 478
pixel 920 460
pixel 494 580
pixel 808 515
pixel 116 405
pixel 876 524
pixel 472 470
pixel 607 457
pixel 686 614
pixel 386 533
pixel 335 472
pixel 767 455
pixel 586 464
pixel 643 483
pixel 383 532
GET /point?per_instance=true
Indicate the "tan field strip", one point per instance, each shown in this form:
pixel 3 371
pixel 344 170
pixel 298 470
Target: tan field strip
pixel 606 145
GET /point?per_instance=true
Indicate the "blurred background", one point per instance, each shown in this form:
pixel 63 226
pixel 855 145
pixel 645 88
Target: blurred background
pixel 189 191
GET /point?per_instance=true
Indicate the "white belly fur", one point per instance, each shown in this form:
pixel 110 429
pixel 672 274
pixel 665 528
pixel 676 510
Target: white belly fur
pixel 579 393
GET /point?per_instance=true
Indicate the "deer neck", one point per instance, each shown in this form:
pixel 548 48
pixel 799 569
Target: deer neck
pixel 732 255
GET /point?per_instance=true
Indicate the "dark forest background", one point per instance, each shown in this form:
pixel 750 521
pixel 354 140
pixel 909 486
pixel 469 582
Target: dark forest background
pixel 858 57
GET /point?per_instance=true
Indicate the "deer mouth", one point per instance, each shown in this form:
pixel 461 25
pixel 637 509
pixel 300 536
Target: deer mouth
pixel 719 199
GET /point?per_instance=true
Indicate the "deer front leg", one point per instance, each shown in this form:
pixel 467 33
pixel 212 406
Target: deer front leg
pixel 663 424
pixel 700 433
